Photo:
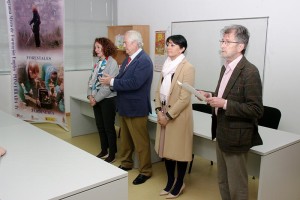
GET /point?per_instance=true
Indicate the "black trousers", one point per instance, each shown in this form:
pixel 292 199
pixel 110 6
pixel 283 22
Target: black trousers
pixel 37 38
pixel 105 113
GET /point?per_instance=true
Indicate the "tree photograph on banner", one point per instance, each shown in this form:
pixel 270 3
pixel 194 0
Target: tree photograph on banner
pixel 35 30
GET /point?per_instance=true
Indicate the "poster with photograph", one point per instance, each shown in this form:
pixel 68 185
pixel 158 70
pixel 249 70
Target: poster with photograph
pixel 35 29
pixel 160 48
pixel 160 42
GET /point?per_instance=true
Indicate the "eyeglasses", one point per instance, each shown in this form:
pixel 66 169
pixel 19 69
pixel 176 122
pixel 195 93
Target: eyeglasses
pixel 226 43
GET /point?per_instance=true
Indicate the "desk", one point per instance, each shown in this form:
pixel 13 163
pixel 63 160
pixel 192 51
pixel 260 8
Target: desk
pixel 276 162
pixel 39 166
pixel 82 116
pixel 83 122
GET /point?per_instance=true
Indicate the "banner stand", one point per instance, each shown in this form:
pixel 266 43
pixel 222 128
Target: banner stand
pixel 35 31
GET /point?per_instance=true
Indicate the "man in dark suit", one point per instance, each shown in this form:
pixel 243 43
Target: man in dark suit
pixel 133 84
pixel 237 104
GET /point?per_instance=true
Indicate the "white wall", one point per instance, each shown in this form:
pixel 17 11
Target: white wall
pixel 282 73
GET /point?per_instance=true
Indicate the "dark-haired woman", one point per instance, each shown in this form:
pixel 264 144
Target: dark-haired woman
pixel 174 134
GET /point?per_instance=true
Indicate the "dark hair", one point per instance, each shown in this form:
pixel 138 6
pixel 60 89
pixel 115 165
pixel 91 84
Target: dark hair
pixel 108 47
pixel 178 40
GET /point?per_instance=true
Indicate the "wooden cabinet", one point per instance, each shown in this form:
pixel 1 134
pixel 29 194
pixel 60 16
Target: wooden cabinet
pixel 114 31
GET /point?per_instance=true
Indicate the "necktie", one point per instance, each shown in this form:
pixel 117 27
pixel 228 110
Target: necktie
pixel 128 61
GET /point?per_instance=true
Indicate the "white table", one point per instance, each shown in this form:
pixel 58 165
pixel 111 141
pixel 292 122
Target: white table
pixel 276 162
pixel 39 166
pixel 83 122
pixel 82 116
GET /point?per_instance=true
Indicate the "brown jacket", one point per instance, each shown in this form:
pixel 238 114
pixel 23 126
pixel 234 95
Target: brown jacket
pixel 236 128
pixel 178 141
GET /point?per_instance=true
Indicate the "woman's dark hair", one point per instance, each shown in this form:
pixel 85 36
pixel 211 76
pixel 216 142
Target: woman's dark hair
pixel 108 47
pixel 178 40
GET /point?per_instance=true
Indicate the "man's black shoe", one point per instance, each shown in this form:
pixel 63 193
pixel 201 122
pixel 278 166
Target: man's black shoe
pixel 140 179
pixel 125 168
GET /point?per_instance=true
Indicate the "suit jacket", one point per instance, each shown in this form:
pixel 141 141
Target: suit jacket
pixel 178 141
pixel 133 86
pixel 236 128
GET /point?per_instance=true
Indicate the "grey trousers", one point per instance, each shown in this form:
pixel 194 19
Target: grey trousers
pixel 232 175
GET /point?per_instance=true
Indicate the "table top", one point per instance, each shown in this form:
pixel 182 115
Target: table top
pixel 81 97
pixel 37 165
pixel 273 139
pixel 9 120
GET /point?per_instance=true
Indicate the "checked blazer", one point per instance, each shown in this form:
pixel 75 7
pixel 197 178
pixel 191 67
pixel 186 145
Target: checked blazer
pixel 236 128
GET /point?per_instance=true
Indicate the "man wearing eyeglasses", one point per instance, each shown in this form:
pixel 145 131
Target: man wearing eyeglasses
pixel 237 104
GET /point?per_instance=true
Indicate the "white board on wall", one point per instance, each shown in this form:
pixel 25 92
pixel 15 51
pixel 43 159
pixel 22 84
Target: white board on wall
pixel 203 46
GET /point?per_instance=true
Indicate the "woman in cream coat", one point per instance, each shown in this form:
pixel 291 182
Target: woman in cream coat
pixel 174 134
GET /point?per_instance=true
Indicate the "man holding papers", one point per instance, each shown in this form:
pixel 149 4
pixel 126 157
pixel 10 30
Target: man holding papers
pixel 237 104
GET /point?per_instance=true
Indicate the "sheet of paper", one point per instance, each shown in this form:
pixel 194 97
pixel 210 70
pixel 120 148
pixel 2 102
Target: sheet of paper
pixel 192 90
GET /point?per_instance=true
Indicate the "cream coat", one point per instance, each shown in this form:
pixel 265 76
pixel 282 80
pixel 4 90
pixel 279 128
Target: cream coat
pixel 178 142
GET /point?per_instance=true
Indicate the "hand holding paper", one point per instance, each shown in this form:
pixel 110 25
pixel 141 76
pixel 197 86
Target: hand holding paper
pixel 192 90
